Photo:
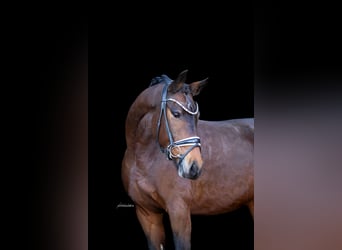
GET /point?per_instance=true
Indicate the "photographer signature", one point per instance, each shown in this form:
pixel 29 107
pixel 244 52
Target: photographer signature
pixel 124 205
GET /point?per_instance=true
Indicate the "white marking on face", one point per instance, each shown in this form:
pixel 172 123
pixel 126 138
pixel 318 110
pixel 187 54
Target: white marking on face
pixel 180 171
pixel 184 167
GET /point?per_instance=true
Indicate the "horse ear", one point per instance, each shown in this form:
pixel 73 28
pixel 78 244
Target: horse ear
pixel 178 83
pixel 196 87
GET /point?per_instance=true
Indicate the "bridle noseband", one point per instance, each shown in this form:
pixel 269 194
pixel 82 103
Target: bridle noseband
pixel 193 141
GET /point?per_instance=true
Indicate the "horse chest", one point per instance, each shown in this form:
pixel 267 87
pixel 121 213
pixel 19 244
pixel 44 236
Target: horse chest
pixel 145 194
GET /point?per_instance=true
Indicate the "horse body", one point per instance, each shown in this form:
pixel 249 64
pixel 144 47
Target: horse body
pixel 225 184
pixel 227 179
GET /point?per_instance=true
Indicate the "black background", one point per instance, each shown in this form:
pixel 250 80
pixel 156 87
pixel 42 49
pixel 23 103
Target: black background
pixel 293 57
pixel 126 55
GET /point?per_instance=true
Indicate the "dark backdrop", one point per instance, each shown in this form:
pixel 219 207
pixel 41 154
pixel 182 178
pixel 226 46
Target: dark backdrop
pixel 297 82
pixel 126 55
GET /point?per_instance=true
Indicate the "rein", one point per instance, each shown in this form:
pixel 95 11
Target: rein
pixel 193 141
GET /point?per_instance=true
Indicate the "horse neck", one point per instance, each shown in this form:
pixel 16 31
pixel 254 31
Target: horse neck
pixel 142 118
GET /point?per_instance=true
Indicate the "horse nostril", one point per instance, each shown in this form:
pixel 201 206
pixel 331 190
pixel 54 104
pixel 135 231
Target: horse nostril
pixel 193 169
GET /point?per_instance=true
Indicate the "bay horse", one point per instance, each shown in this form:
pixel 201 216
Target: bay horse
pixel 178 164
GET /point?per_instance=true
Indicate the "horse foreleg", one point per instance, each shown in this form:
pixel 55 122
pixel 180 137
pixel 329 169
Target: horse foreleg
pixel 152 225
pixel 180 220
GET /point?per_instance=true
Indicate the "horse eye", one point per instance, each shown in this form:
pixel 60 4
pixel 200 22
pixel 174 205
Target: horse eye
pixel 176 114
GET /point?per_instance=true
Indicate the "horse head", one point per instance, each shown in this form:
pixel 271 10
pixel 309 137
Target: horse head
pixel 177 125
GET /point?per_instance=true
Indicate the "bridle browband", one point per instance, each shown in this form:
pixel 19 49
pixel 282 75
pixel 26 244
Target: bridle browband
pixel 193 141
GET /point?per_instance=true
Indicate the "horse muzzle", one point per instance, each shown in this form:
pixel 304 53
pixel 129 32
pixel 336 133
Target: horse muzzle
pixel 189 163
pixel 190 171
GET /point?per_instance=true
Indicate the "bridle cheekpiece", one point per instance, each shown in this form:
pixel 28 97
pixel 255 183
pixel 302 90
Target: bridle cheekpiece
pixel 193 141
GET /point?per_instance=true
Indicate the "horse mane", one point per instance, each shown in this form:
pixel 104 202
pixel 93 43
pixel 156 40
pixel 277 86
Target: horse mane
pixel 160 79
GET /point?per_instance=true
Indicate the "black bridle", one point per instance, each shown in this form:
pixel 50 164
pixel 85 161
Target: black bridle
pixel 193 141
